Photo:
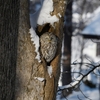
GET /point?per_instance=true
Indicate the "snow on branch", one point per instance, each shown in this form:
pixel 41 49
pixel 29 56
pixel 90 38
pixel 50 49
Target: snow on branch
pixel 81 77
pixel 45 16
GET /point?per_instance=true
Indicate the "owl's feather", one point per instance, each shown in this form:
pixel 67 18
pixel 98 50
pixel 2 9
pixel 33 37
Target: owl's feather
pixel 48 42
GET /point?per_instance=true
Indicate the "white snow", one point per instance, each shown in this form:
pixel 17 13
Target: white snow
pixel 72 84
pixel 59 14
pixel 76 17
pixel 92 95
pixel 45 16
pixel 90 50
pixel 35 7
pixel 35 39
pixel 40 14
pixel 49 68
pixel 39 78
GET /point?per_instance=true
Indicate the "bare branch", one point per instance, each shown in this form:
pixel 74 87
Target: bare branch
pixel 80 78
pixel 84 95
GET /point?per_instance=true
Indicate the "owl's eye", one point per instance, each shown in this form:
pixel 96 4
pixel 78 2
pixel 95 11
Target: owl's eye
pixel 52 38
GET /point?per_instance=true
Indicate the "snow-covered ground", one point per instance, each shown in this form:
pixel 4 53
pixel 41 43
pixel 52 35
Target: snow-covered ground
pixel 90 94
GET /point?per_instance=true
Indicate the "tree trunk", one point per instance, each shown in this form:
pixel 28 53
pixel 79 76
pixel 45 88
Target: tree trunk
pixel 66 77
pixel 9 18
pixel 28 87
pixel 66 65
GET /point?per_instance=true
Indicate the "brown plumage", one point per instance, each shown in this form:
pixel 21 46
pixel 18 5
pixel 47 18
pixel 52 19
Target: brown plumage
pixel 48 46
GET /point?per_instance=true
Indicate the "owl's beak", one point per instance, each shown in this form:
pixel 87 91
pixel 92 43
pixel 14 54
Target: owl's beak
pixel 50 40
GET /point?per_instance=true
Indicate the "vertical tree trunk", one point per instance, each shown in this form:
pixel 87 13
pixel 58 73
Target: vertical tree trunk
pixel 28 86
pixel 9 18
pixel 66 66
pixel 66 77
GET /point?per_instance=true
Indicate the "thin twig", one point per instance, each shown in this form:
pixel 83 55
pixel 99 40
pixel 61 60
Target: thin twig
pixel 80 78
pixel 79 97
pixel 84 95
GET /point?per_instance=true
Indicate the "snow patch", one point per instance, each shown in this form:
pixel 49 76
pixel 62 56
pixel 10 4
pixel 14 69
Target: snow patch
pixel 39 78
pixel 49 68
pixel 72 84
pixel 59 15
pixel 45 16
pixel 35 39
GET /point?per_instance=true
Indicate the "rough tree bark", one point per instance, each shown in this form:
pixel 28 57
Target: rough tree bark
pixel 27 86
pixel 9 18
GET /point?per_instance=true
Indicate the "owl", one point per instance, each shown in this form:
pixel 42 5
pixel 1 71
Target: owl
pixel 48 46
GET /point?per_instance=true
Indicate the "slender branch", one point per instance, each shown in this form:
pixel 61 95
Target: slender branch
pixel 80 78
pixel 78 97
pixel 84 95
